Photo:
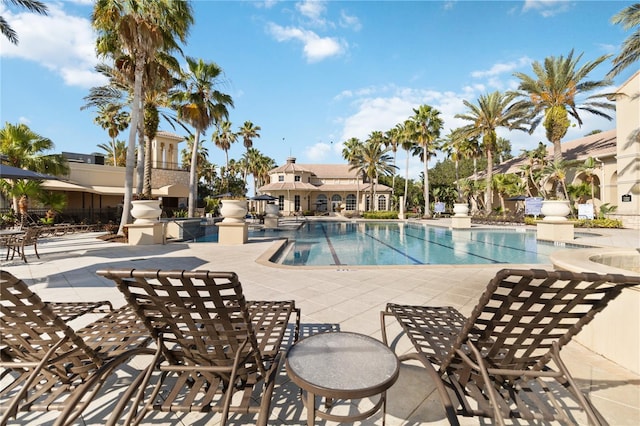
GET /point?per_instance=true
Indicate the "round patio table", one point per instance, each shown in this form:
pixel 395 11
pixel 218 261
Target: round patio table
pixel 342 365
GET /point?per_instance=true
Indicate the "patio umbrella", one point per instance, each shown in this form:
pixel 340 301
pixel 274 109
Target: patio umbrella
pixel 264 197
pixel 10 172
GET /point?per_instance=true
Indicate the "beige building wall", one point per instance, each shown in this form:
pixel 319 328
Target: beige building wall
pixel 628 152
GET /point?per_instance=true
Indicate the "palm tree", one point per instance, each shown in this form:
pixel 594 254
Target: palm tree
pixel 32 5
pixel 405 132
pixel 551 95
pixel 427 131
pixel 493 110
pixel 392 140
pixel 588 168
pixel 223 138
pixel 114 121
pixel 372 160
pixel 138 29
pixel 21 190
pixel 453 148
pixel 629 18
pixel 116 154
pixel 199 105
pixel 350 151
pixel 248 132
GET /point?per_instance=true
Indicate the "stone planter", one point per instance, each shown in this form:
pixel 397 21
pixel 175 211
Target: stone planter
pixel 555 210
pixel 145 211
pixel 461 209
pixel 233 211
pixel 271 210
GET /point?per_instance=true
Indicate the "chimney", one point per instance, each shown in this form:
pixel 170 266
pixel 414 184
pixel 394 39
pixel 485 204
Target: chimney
pixel 291 160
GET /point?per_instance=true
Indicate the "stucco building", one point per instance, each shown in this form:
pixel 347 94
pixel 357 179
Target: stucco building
pixel 323 188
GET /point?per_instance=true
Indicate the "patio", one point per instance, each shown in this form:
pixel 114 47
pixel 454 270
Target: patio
pixel 348 299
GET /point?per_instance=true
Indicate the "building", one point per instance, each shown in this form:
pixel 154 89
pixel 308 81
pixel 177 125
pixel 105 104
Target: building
pixel 93 187
pixel 323 188
pixel 616 153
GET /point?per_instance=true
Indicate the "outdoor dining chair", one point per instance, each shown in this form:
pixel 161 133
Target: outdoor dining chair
pixel 17 243
pixel 216 351
pixel 496 362
pixel 46 365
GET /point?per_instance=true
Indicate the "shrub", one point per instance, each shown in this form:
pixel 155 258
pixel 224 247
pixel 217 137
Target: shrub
pixel 380 215
pixel 599 223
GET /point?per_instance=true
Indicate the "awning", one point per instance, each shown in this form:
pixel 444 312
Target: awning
pixel 176 190
pixel 59 185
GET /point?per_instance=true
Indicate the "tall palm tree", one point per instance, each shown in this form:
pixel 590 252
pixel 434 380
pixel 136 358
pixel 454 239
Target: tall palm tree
pixel 629 18
pixel 223 138
pixel 113 120
pixel 32 5
pixel 248 132
pixel 372 160
pixel 350 151
pixel 392 140
pixel 454 146
pixel 138 29
pixel 427 132
pixel 492 111
pixel 200 105
pixel 405 133
pixel 551 95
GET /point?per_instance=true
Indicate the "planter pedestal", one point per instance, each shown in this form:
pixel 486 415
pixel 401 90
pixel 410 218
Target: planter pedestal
pixel 561 230
pixel 145 233
pixel 232 233
pixel 460 222
pixel 271 222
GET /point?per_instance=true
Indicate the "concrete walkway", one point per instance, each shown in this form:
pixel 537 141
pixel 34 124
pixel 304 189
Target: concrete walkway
pixel 348 299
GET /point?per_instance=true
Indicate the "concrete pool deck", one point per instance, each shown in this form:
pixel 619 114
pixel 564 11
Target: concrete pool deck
pixel 349 299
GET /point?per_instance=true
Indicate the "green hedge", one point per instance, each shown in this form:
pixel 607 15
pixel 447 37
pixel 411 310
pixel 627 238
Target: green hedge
pixel 598 223
pixel 380 215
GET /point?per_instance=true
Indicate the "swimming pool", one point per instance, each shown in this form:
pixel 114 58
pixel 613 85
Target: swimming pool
pixel 375 243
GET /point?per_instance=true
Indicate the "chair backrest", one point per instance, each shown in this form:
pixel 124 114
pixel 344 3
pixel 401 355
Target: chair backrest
pixel 30 329
pixel 202 316
pixel 523 312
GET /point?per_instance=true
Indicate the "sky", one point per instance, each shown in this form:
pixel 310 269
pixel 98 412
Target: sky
pixel 313 74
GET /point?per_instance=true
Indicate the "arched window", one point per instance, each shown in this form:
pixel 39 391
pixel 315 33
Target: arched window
pixel 351 202
pixel 336 202
pixel 382 202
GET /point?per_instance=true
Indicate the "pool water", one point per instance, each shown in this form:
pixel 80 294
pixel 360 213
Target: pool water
pixel 367 243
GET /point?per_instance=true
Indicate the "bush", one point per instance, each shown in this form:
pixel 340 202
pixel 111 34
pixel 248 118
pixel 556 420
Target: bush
pixel 380 215
pixel 598 223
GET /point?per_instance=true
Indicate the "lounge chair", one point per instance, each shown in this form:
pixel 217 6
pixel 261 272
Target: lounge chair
pixel 45 364
pixel 496 361
pixel 211 343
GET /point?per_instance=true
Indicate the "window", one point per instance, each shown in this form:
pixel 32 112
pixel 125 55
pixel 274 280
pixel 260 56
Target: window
pixel 382 202
pixel 281 178
pixel 281 202
pixel 351 202
pixel 296 202
pixel 296 178
pixel 321 203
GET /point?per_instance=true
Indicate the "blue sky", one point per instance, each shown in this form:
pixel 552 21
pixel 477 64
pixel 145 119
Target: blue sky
pixel 312 74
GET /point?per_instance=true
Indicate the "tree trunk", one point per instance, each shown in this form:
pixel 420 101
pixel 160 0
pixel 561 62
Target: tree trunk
pixel 141 151
pixel 488 191
pixel 193 175
pixel 427 212
pixel 131 148
pixel 406 182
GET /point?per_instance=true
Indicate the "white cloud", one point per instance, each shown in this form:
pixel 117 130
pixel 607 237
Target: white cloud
pixel 312 9
pixel 318 152
pixel 315 48
pixel 547 8
pixel 501 68
pixel 348 21
pixel 62 43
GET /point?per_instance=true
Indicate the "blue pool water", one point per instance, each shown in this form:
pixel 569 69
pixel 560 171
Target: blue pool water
pixel 367 243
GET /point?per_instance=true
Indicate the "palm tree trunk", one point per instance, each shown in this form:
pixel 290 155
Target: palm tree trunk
pixel 141 151
pixel 488 191
pixel 406 181
pixel 427 212
pixel 193 175
pixel 131 148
